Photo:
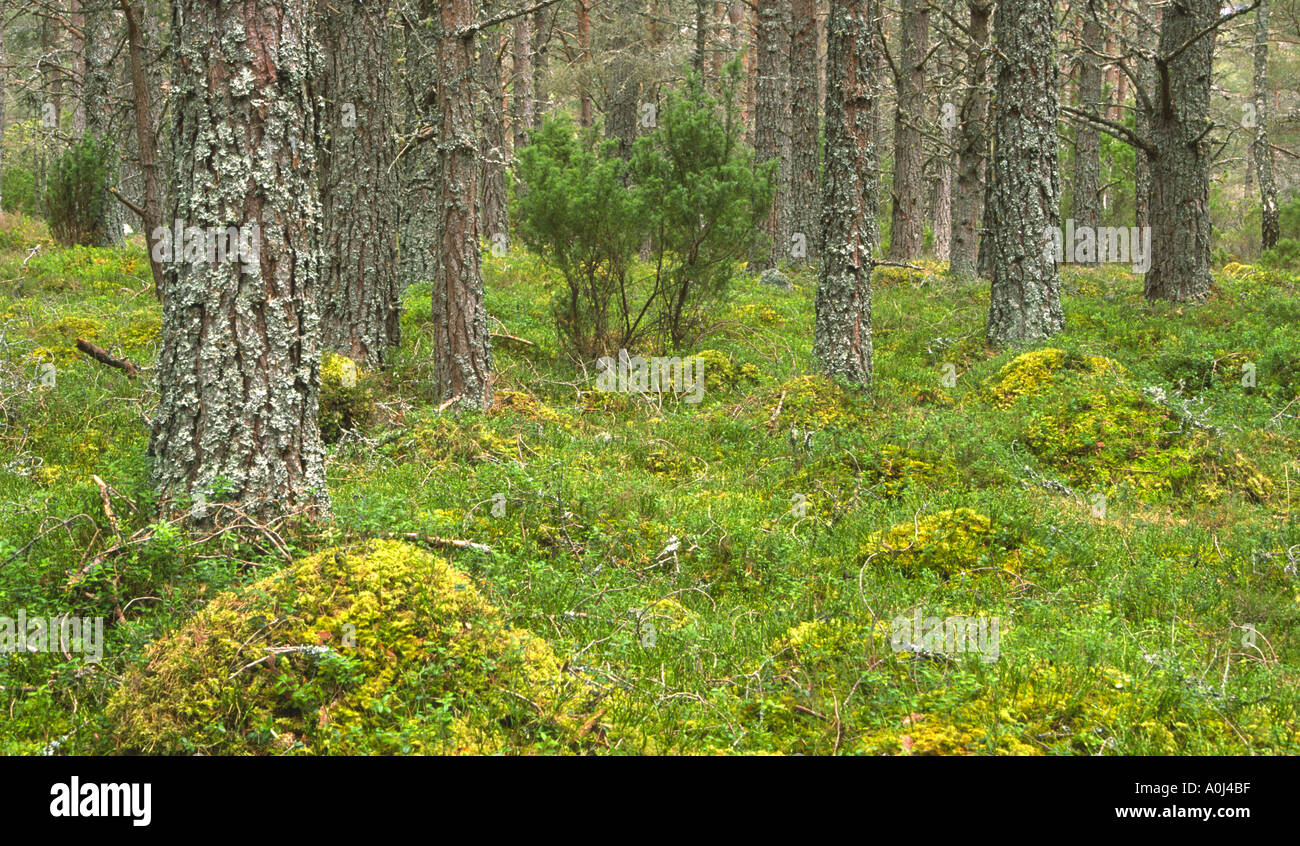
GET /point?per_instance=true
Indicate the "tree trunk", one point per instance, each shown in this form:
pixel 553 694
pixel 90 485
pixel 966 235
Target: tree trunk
pixel 906 233
pixel 493 213
pixel 96 108
pixel 522 115
pixel 842 336
pixel 543 30
pixel 1146 74
pixel 462 353
pixel 584 52
pixel 1025 300
pixel 771 111
pixel 621 96
pixel 239 369
pixel 146 141
pixel 360 297
pixel 1180 176
pixel 972 147
pixel 803 204
pixel 418 168
pixel 1087 139
pixel 1263 155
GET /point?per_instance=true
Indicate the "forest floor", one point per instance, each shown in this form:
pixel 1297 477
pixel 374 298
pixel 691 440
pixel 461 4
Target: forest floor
pixel 727 576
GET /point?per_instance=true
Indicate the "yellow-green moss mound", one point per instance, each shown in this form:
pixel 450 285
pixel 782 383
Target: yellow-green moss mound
pixel 387 649
pixel 1031 372
pixel 947 542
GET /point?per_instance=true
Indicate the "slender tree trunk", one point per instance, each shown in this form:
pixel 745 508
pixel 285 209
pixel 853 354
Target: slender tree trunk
pixel 146 141
pixel 543 31
pixel 1180 175
pixel 771 112
pixel 621 96
pixel 906 233
pixel 461 346
pixel 1263 155
pixel 4 13
pixel 360 297
pixel 96 109
pixel 522 114
pixel 803 202
pixel 418 163
pixel 1146 74
pixel 1025 301
pixel 972 146
pixel 584 52
pixel 239 370
pixel 1087 139
pixel 842 334
pixel 493 213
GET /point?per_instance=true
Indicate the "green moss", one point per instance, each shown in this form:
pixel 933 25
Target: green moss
pixel 815 402
pixel 947 542
pixel 411 659
pixel 347 396
pixel 1031 372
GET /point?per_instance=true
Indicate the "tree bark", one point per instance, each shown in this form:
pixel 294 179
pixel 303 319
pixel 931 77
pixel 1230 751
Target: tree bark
pixel 1087 139
pixel 621 94
pixel 461 347
pixel 418 167
pixel 771 113
pixel 1180 176
pixel 360 296
pixel 907 219
pixel 584 52
pixel 146 141
pixel 803 204
pixel 239 369
pixel 972 146
pixel 1262 153
pixel 842 335
pixel 522 115
pixel 1025 300
pixel 493 212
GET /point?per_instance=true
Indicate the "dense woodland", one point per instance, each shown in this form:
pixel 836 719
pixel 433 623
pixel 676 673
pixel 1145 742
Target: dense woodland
pixel 649 377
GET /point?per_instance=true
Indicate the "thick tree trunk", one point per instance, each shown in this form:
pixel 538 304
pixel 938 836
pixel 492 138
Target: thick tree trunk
pixel 1180 175
pixel 493 213
pixel 239 370
pixel 803 203
pixel 972 147
pixel 1025 302
pixel 462 351
pixel 907 220
pixel 1262 154
pixel 360 297
pixel 771 113
pixel 842 335
pixel 1087 139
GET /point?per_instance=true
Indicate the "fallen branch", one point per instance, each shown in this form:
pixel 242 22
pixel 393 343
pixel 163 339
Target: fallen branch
pixel 105 357
pixel 433 540
pixel 513 338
